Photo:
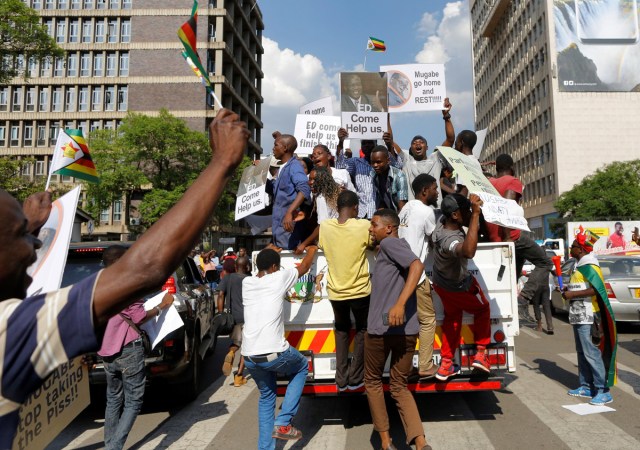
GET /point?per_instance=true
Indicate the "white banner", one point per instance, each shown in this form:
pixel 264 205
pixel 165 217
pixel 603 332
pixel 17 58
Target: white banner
pixel 415 87
pixel 55 235
pixel 503 211
pixel 312 130
pixel 158 327
pixel 252 196
pixel 320 107
pixel 477 149
pixel 365 125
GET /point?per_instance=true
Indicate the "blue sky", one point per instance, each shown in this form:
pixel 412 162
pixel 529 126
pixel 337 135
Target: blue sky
pixel 308 43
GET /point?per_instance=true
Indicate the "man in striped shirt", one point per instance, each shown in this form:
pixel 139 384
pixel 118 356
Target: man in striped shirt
pixel 44 331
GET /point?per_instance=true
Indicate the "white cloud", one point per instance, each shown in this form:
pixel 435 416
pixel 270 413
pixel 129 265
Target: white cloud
pixel 428 24
pixel 290 80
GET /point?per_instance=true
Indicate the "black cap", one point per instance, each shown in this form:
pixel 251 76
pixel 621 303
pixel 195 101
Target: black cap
pixel 453 202
pixel 416 137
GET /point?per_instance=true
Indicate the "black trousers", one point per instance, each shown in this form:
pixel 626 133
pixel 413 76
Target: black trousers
pixel 350 374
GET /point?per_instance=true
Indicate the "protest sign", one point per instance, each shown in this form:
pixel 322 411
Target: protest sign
pixel 320 107
pixel 158 327
pixel 496 209
pixel 55 236
pixel 363 104
pixel 477 149
pixel 312 130
pixel 252 196
pixel 415 87
pixel 63 395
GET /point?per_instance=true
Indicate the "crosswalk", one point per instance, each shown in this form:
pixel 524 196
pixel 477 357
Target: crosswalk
pixel 527 413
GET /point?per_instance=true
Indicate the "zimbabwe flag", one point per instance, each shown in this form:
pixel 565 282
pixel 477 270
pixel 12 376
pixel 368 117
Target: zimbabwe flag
pixel 375 44
pixel 71 157
pixel 188 36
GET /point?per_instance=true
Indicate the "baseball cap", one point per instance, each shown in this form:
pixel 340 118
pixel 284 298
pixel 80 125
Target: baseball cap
pixel 453 202
pixel 275 162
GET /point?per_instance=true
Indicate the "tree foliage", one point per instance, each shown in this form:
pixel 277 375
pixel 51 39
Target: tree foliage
pixel 22 38
pixel 156 156
pixel 12 180
pixel 611 193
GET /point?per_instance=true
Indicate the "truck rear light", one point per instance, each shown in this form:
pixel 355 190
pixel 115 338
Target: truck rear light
pixel 497 357
pixel 170 285
pixel 160 368
pixel 169 343
pixel 499 336
pixel 610 293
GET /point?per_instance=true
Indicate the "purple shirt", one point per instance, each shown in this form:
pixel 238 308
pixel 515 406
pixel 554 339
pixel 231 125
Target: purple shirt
pixel 119 333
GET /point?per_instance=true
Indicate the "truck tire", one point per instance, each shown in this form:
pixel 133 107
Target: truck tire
pixel 191 386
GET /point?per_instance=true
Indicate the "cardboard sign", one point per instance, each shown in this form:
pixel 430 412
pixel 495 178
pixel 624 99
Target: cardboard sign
pixel 496 209
pixel 55 236
pixel 364 125
pixel 312 130
pixel 415 87
pixel 363 104
pixel 252 196
pixel 63 395
pixel 477 149
pixel 320 107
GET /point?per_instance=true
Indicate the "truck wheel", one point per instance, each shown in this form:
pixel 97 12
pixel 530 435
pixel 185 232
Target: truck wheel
pixel 191 386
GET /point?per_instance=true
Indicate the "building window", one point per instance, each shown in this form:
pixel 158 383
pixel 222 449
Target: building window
pixel 124 64
pixel 58 68
pixel 30 104
pixel 41 140
pixel 74 29
pixel 53 133
pixel 40 166
pixel 110 98
pixel 43 100
pixel 83 99
pixel 71 99
pixel 126 4
pixel 112 33
pixel 85 65
pixel 57 100
pixel 50 4
pixel 75 4
pixel 111 65
pixel 114 4
pixel 27 136
pixel 96 99
pixel 125 31
pixel 33 67
pixel 36 4
pixel 16 104
pixel 72 65
pixel 117 211
pixel 122 98
pixel 104 216
pixel 95 125
pixel 101 4
pixel 61 31
pixel 3 135
pixel 87 27
pixel 14 136
pixel 88 4
pixel 98 65
pixel 99 31
pixel 546 119
pixel 4 99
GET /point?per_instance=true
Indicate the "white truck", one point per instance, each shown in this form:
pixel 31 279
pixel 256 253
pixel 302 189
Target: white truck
pixel 309 324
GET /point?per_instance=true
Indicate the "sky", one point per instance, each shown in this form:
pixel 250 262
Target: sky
pixel 308 43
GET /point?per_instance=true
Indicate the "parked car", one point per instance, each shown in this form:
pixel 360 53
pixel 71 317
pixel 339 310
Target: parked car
pixel 622 281
pixel 527 267
pixel 177 359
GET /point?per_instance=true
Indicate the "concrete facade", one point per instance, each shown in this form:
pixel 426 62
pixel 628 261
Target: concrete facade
pixel 556 138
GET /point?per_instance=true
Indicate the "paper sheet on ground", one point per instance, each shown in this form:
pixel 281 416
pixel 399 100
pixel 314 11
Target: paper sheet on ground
pixel 496 209
pixel 583 409
pixel 160 326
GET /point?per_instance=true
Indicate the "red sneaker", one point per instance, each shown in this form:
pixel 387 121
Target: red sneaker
pixel 481 362
pixel 288 433
pixel 447 369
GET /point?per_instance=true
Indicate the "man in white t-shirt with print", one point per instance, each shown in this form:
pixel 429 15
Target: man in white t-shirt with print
pixel 417 222
pixel 266 351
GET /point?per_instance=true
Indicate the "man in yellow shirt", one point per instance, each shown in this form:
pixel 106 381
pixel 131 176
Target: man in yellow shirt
pixel 588 304
pixel 345 241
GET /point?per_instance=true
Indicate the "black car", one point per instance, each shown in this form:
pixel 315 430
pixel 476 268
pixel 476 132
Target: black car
pixel 177 359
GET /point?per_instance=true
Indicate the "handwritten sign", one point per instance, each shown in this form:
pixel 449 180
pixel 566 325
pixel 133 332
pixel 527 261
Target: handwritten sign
pixel 320 107
pixel 312 130
pixel 63 395
pixel 496 209
pixel 252 196
pixel 415 87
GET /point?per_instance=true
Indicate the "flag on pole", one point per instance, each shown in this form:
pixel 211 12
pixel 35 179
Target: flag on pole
pixel 188 36
pixel 71 157
pixel 375 44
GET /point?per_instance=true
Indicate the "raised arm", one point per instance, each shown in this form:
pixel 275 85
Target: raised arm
pixel 450 134
pixel 305 265
pixel 468 247
pixel 165 245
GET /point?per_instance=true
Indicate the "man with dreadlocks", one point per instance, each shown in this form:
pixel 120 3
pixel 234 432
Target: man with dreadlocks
pixel 592 319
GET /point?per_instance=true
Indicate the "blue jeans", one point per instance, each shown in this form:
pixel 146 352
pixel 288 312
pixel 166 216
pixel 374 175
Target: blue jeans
pixel 591 370
pixel 125 384
pixel 291 363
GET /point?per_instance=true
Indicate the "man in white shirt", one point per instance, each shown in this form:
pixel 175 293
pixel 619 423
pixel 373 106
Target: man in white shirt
pixel 417 222
pixel 266 351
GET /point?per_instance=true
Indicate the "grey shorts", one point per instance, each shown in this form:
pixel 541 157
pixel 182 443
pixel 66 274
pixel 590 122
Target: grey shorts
pixel 236 334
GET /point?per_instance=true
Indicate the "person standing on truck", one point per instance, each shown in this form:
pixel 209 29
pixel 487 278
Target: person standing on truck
pixel 526 248
pixel 265 349
pixel 231 288
pixel 458 289
pixel 122 353
pixel 589 307
pixel 417 222
pixel 392 327
pixel 345 241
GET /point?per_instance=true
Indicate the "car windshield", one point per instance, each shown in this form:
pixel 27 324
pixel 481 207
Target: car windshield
pixel 79 267
pixel 621 266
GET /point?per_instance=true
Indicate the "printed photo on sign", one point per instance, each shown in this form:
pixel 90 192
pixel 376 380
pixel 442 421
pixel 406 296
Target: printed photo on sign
pixel 363 103
pixel 415 87
pixel 312 130
pixel 320 107
pixel 252 196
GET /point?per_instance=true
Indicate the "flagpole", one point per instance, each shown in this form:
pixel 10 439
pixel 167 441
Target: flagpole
pixel 215 98
pixel 364 66
pixel 46 187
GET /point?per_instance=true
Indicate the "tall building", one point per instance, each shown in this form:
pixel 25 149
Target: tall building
pixel 556 86
pixel 124 55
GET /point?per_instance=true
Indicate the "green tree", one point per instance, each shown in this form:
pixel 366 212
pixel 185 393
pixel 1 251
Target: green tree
pixel 12 180
pixel 611 193
pixel 22 39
